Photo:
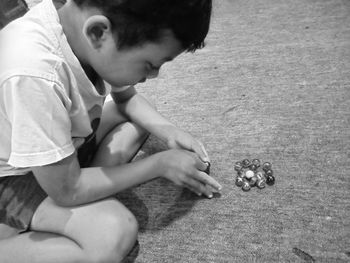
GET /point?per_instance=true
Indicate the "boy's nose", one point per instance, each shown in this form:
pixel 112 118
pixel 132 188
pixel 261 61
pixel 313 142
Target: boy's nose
pixel 153 74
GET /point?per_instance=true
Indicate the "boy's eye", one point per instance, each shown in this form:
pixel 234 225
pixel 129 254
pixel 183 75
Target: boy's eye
pixel 151 67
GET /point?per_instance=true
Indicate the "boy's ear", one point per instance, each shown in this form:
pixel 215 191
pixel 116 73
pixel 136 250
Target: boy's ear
pixel 97 29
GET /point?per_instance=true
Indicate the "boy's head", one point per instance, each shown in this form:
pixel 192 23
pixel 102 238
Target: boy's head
pixel 135 22
pixel 127 41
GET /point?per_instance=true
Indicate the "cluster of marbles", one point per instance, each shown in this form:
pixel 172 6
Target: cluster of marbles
pixel 252 173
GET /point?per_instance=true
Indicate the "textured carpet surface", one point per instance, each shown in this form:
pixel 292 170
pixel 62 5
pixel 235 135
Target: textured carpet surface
pixel 273 83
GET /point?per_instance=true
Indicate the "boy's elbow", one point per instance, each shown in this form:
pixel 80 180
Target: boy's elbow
pixel 61 180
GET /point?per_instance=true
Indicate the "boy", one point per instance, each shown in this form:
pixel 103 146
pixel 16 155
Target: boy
pixel 62 155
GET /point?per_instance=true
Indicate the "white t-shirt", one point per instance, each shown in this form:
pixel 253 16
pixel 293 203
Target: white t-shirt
pixel 48 106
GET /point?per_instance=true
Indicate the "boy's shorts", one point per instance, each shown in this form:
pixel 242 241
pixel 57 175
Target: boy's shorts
pixel 21 195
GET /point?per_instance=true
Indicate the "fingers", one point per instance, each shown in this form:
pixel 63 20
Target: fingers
pixel 198 188
pixel 203 175
pixel 207 180
pixel 206 156
pixel 202 183
pixel 186 142
pixel 201 165
pixel 200 150
pixel 193 189
pixel 194 176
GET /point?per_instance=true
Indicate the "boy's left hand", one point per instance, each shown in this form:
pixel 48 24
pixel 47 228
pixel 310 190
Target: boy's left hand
pixel 180 139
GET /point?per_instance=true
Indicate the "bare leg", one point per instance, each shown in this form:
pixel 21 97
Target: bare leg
pixel 104 231
pixel 119 140
pixel 120 145
pixel 6 231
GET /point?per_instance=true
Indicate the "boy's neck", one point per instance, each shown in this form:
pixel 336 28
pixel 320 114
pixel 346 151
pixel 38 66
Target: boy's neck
pixel 72 22
pixel 71 19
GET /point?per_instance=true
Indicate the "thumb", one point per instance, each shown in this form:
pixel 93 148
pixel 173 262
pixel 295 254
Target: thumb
pixel 203 155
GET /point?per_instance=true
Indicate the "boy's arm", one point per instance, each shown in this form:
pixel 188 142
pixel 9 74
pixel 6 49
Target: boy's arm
pixel 136 108
pixel 68 185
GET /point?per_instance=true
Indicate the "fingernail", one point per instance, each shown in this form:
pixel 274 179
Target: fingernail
pixel 210 196
pixel 208 166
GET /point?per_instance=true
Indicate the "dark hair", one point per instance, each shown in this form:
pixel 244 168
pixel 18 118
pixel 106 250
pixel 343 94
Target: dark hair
pixel 138 21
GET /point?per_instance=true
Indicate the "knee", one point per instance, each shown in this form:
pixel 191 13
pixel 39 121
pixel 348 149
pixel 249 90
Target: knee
pixel 118 235
pixel 122 237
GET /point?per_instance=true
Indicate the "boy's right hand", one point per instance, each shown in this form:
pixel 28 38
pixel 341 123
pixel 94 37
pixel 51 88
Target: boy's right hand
pixel 184 168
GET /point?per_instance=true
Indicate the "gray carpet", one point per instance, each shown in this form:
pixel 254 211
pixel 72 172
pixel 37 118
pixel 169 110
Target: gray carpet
pixel 273 83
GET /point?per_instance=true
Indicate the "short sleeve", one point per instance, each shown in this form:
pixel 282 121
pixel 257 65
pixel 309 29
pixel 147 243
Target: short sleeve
pixel 40 123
